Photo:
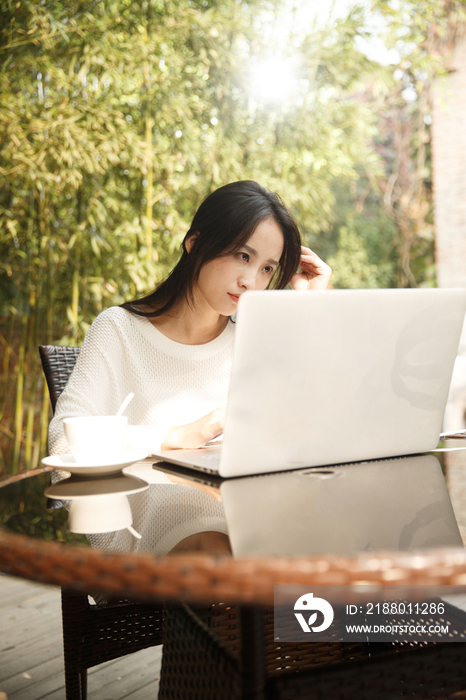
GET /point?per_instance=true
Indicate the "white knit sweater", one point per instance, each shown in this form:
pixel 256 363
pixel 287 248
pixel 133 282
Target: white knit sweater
pixel 174 384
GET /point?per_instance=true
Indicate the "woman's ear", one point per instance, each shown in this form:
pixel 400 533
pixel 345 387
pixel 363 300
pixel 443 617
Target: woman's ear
pixel 189 241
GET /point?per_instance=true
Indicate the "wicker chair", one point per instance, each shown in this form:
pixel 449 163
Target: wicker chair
pixel 93 634
pixel 57 362
pixel 237 658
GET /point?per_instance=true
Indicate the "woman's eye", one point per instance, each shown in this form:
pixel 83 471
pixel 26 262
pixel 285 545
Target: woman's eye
pixel 244 256
pixel 268 270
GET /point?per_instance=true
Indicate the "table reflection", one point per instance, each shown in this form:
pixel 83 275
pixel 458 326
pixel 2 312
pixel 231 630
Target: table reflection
pixel 393 505
pixel 454 461
pixel 98 504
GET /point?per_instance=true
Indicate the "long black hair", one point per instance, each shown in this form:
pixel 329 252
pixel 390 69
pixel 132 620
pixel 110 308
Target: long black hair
pixel 223 223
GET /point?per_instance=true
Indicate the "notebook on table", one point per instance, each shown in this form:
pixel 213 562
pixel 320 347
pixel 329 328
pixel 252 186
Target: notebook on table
pixel 336 376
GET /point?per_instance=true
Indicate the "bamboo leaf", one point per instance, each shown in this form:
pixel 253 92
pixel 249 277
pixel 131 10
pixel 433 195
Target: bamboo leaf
pixel 95 247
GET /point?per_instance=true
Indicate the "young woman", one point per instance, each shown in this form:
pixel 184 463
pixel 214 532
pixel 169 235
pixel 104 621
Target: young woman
pixel 173 347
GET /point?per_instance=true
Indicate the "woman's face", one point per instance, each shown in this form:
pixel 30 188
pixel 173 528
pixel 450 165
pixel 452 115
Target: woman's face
pixel 222 281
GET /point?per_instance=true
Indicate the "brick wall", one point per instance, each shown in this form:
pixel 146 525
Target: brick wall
pixel 449 177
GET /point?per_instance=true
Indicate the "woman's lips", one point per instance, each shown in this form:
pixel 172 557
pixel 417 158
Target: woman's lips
pixel 235 297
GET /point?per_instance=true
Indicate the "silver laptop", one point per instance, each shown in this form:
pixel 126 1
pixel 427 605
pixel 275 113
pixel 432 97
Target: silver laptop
pixel 322 378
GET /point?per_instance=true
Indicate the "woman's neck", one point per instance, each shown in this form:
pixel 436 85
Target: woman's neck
pixel 190 325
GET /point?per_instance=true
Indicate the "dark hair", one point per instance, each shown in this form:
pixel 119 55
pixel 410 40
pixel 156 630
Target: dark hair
pixel 223 223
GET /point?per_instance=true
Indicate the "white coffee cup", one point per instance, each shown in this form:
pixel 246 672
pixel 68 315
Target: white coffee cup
pixel 98 514
pixel 96 440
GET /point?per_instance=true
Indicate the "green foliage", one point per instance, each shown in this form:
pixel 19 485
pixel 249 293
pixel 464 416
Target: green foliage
pixel 118 118
pixel 365 253
pixel 23 511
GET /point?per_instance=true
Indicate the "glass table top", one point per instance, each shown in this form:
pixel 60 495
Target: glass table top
pixel 400 505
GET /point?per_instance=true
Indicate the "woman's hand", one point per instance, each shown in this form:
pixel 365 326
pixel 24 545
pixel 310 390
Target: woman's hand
pixel 196 434
pixel 315 274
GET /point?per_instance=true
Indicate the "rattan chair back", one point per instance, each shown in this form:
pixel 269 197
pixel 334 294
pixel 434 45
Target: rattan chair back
pixel 58 362
pixel 93 634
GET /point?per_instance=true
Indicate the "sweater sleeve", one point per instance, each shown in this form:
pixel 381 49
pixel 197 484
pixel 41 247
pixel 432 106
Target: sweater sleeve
pixel 95 386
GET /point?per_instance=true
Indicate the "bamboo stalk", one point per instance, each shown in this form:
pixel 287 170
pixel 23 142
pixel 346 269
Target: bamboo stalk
pixel 30 378
pixel 9 377
pixel 76 278
pixel 22 366
pixel 75 300
pixel 150 182
pixel 29 360
pixel 48 314
pixel 19 405
pixel 6 363
pixel 32 451
pixel 31 347
pixel 149 214
pixel 44 421
pixel 2 462
pixel 45 409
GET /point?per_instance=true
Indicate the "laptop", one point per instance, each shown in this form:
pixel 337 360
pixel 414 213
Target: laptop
pixel 343 509
pixel 321 378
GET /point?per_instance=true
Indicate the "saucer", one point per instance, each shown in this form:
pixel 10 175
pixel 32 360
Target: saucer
pixel 68 463
pixel 75 488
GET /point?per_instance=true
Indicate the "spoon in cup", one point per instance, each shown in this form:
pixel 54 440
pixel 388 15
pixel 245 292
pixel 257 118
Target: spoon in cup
pixel 125 403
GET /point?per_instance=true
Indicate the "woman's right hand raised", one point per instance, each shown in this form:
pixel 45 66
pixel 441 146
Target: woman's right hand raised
pixel 196 434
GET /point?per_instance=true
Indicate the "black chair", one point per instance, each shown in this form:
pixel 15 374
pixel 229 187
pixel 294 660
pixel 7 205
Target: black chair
pixel 57 362
pixel 96 633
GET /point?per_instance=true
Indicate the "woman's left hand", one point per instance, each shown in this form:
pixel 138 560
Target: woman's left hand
pixel 315 274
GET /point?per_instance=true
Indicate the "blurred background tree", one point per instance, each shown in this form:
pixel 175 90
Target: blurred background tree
pixel 117 118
